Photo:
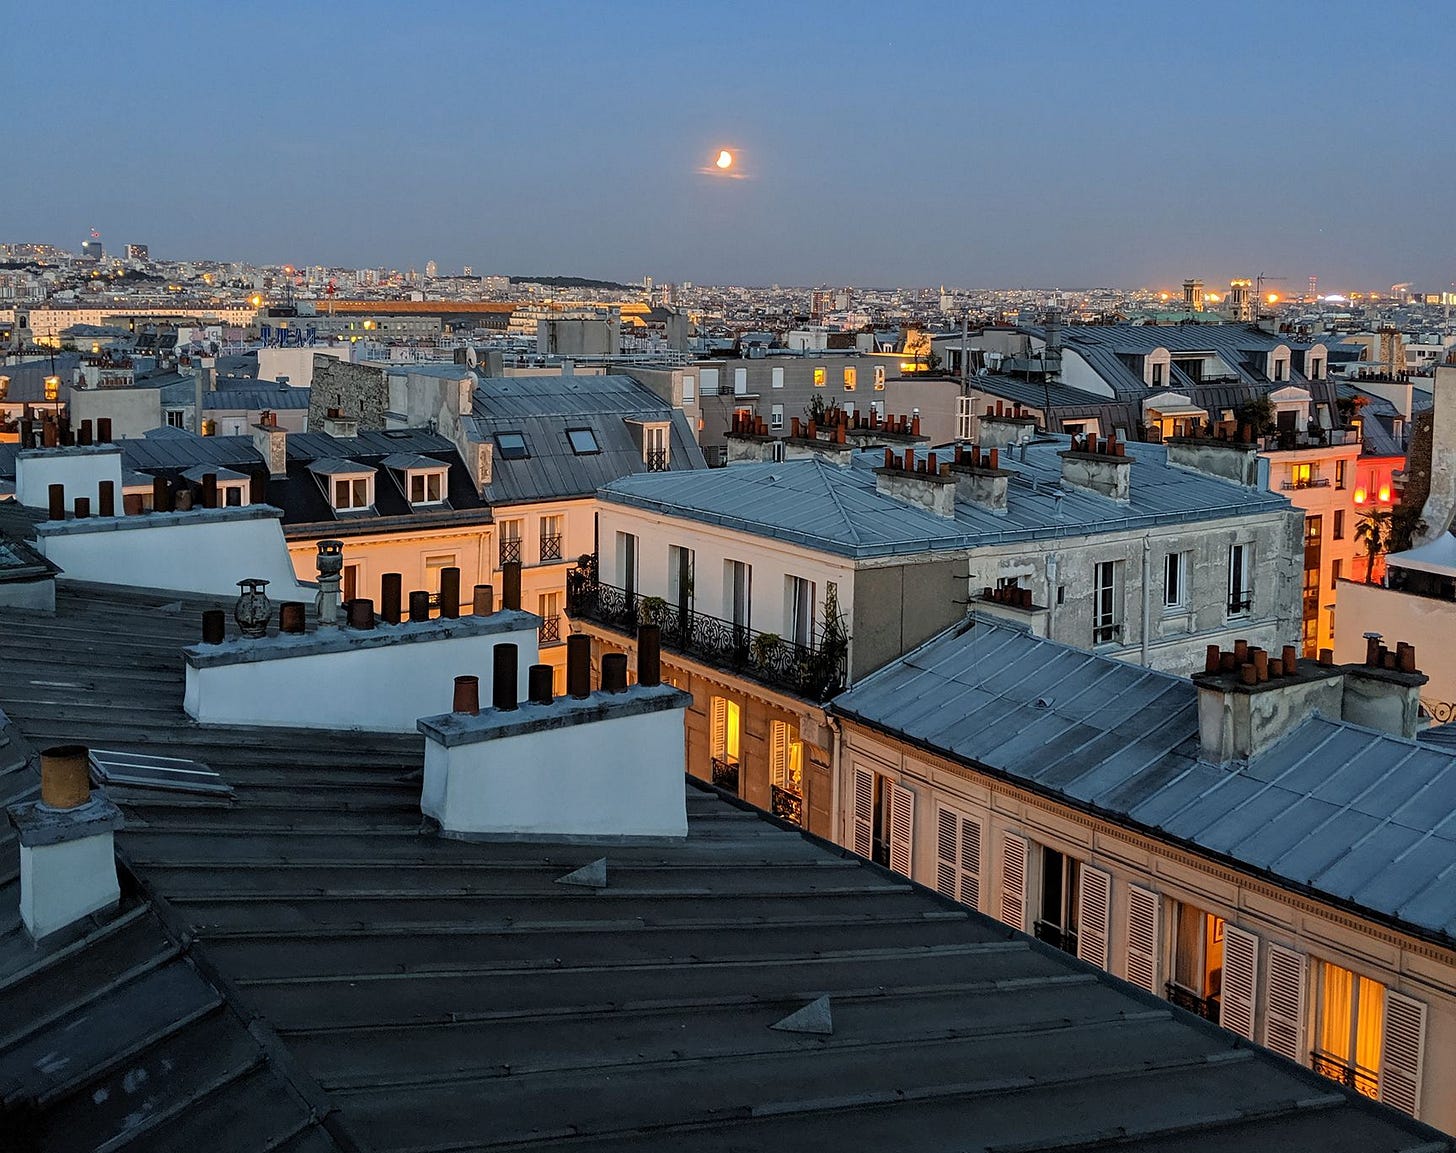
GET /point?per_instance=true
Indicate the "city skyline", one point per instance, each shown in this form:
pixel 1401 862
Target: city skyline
pixel 1046 145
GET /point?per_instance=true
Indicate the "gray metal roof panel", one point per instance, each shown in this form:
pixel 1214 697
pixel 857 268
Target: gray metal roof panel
pixel 1358 815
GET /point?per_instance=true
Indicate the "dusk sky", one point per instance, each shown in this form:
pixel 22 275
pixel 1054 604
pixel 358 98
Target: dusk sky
pixel 970 144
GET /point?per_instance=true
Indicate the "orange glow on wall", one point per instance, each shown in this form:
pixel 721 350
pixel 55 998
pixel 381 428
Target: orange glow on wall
pixel 1385 494
pixel 1359 496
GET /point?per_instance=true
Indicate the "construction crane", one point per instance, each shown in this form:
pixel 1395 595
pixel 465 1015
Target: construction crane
pixel 1259 284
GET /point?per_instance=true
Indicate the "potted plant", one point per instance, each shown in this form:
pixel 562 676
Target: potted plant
pixel 764 648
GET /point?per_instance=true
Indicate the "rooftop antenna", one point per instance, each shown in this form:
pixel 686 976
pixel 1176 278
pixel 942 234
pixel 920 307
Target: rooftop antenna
pixel 1053 350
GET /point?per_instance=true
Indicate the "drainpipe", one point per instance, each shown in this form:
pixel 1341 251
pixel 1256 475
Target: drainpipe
pixel 1147 594
pixel 1051 571
pixel 836 737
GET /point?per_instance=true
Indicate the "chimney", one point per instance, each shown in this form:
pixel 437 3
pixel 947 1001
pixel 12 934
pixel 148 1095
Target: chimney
pixel 1002 427
pixel 1099 466
pixel 1253 698
pixel 1385 692
pixel 337 424
pixel 922 483
pixel 271 443
pixel 67 853
pixel 979 478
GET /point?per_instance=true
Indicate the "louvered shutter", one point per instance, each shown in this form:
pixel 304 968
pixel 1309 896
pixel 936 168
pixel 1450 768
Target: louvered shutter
pixel 947 853
pixel 971 862
pixel 778 754
pixel 718 740
pixel 1284 1003
pixel 864 811
pixel 1013 881
pixel 902 828
pixel 1401 1057
pixel 1143 907
pixel 1240 981
pixel 1096 915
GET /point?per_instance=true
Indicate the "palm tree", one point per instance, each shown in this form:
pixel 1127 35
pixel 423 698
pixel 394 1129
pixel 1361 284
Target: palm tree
pixel 1373 532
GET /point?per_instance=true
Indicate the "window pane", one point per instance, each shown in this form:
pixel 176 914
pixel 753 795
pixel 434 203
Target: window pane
pixel 512 445
pixel 583 441
pixel 1370 1025
pixel 1335 1020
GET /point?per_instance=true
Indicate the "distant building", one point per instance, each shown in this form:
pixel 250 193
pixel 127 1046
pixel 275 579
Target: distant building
pixel 137 252
pixel 92 249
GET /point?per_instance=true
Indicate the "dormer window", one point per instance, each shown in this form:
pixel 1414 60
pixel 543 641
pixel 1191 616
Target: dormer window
pixel 422 478
pixel 426 487
pixel 583 441
pixel 512 446
pixel 353 493
pixel 348 485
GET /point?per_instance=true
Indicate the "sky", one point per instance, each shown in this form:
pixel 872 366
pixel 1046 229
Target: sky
pixel 966 143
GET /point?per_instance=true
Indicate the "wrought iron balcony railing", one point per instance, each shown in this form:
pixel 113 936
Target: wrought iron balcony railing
pixel 1240 603
pixel 510 551
pixel 1106 634
pixel 657 460
pixel 786 805
pixel 725 774
pixel 814 673
pixel 549 632
pixel 550 547
pixel 1205 1007
pixel 1056 936
pixel 1358 1079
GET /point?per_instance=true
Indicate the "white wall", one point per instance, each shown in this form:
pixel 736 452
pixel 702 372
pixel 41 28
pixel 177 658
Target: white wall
pixel 61 883
pixel 81 470
pixel 202 551
pixel 372 681
pixel 297 363
pixel 612 778
pixel 1426 622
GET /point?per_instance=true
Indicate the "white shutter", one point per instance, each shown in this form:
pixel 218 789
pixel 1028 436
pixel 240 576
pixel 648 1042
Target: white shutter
pixel 778 754
pixel 947 852
pixel 1400 1059
pixel 902 828
pixel 1143 907
pixel 971 862
pixel 1284 1003
pixel 1240 981
pixel 1096 914
pixel 864 811
pixel 1013 881
pixel 718 740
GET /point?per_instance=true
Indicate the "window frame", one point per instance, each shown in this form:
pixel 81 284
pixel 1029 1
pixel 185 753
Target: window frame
pixel 590 434
pixel 1176 566
pixel 521 451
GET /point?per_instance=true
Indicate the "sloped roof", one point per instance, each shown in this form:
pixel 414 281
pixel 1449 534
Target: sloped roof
pixel 258 397
pixel 300 969
pixel 27 380
pixel 837 509
pixel 1355 815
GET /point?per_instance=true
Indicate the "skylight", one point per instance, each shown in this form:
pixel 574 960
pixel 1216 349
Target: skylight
pixel 583 441
pixel 512 446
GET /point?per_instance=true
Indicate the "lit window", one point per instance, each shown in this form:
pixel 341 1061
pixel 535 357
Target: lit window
pixel 785 759
pixel 512 446
pixel 851 377
pixel 727 730
pixel 819 378
pixel 1350 1027
pixel 1197 982
pixel 583 441
pixel 880 379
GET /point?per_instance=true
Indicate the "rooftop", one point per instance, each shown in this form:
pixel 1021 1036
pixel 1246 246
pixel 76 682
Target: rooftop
pixel 1358 817
pixel 301 969
pixel 838 510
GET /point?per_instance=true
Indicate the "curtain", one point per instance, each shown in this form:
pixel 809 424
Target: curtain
pixel 1337 993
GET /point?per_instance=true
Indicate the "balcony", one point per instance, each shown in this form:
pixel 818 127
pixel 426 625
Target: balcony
pixel 1361 1080
pixel 1056 936
pixel 550 547
pixel 1240 603
pixel 725 774
pixel 813 673
pixel 657 460
pixel 510 551
pixel 1205 1007
pixel 786 805
pixel 549 632
pixel 1307 482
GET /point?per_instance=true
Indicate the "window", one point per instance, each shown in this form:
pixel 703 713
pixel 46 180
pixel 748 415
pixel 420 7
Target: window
pixel 740 382
pixel 819 377
pixel 551 539
pixel 583 441
pixel 1159 377
pixel 352 492
pixel 725 738
pixel 233 495
pixel 778 378
pixel 1349 1027
pixel 1175 580
pixel 1335 573
pixel 965 409
pixel 1313 529
pixel 349 585
pixel 738 592
pixel 548 607
pixel 799 611
pixel 884 818
pixel 1316 368
pixel 426 487
pixel 1107 603
pixel 1058 906
pixel 176 418
pixel 627 562
pixel 1340 473
pixel 511 446
pixel 851 378
pixel 1197 983
pixel 785 759
pixel 680 564
pixel 1339 524
pixel 776 417
pixel 655 447
pixel 1301 475
pixel 958 856
pixel 511 532
pixel 710 381
pixel 690 390
pixel 433 567
pixel 880 379
pixel 1240 585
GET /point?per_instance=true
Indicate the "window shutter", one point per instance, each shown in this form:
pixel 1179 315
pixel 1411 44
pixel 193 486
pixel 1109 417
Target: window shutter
pixel 1143 907
pixel 719 739
pixel 946 853
pixel 864 811
pixel 1013 881
pixel 1240 981
pixel 1284 1003
pixel 971 862
pixel 1400 1060
pixel 1096 906
pixel 778 753
pixel 902 828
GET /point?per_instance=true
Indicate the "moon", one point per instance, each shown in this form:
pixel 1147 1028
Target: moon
pixel 725 159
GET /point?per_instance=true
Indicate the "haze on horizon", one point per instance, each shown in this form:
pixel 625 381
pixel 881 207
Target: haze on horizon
pixel 969 144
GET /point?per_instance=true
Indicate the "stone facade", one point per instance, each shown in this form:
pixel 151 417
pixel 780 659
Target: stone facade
pixel 360 391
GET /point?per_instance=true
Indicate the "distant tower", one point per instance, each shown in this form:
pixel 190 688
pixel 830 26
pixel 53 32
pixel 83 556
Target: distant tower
pixel 1241 300
pixel 1193 295
pixel 431 269
pixel 1314 288
pixel 137 252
